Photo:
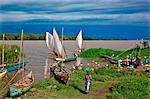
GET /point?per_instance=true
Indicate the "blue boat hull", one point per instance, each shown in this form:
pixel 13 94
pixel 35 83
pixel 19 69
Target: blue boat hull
pixel 16 67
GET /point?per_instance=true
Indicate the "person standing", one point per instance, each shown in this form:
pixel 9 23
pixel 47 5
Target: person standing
pixel 88 79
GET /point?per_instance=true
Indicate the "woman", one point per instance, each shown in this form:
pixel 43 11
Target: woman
pixel 88 79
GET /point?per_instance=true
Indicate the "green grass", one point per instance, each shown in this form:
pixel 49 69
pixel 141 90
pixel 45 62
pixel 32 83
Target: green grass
pixel 97 52
pixel 11 54
pixel 76 85
pixel 136 88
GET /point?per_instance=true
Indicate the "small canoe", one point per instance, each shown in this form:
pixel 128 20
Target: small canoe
pixel 2 72
pixel 22 86
pixel 67 59
pixel 16 67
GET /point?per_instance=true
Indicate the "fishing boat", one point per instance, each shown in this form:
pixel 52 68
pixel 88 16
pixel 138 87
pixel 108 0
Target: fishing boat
pixel 79 41
pixel 60 72
pixel 57 49
pixel 16 67
pixel 21 86
pixel 3 71
pixel 25 83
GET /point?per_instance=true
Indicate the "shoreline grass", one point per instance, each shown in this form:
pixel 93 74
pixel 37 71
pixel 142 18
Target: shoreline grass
pixel 97 52
pixel 11 54
pixel 50 88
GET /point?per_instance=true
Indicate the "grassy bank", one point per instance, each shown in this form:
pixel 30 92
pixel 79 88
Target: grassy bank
pixel 97 52
pixel 11 54
pixel 102 77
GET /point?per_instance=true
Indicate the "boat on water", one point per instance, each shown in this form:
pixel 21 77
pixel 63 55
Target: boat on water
pixel 16 67
pixel 56 47
pixel 24 84
pixel 79 41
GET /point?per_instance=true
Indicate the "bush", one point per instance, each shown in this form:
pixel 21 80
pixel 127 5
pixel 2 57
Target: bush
pixel 11 54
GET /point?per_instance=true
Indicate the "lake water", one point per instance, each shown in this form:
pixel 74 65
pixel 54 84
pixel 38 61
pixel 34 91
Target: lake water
pixel 38 57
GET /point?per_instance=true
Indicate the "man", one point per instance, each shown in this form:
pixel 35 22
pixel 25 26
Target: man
pixel 88 79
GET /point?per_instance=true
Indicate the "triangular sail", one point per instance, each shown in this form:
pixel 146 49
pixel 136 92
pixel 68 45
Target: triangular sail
pixel 79 40
pixel 58 44
pixel 49 40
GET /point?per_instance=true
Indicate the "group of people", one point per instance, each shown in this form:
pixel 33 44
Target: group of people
pixel 129 62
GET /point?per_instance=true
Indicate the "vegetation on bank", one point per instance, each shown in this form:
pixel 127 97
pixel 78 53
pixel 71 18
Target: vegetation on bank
pixel 97 52
pixel 11 36
pixel 11 54
pixel 102 77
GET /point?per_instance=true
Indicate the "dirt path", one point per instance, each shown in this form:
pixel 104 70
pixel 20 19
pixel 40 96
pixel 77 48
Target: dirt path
pixel 100 93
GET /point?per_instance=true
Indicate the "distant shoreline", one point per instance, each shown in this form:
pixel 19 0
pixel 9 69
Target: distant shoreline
pixel 13 36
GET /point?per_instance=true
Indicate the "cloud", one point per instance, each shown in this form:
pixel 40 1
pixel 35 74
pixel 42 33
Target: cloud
pixel 72 11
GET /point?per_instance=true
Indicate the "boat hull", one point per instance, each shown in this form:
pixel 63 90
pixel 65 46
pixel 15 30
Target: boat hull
pixel 18 91
pixel 66 59
pixel 2 74
pixel 16 67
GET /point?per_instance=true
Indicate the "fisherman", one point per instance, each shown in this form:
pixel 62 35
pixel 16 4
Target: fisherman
pixel 138 61
pixel 132 61
pixel 88 79
pixel 127 61
pixel 119 63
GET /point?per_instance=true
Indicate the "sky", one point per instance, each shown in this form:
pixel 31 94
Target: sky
pixel 97 18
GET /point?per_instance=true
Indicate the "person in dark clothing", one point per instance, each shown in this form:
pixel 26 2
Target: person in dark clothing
pixel 88 80
pixel 138 61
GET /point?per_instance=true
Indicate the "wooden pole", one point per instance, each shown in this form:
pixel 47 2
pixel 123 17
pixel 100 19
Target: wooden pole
pixel 22 54
pixel 3 52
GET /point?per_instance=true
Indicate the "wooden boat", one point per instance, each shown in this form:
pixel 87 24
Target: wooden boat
pixel 3 72
pixel 11 68
pixel 53 42
pixel 21 86
pixel 67 59
pixel 60 73
pixel 24 84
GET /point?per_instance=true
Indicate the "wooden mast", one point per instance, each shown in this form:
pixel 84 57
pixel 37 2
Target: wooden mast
pixel 22 54
pixel 62 46
pixel 3 52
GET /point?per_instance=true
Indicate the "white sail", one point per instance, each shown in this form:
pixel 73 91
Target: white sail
pixel 49 40
pixel 79 40
pixel 58 44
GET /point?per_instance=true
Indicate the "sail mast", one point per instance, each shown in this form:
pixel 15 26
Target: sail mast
pixel 62 41
pixel 22 52
pixel 22 55
pixel 3 52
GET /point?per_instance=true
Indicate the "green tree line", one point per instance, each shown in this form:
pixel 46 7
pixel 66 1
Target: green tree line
pixel 10 36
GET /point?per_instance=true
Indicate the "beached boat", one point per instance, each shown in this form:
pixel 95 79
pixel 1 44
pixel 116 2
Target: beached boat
pixel 24 84
pixel 21 86
pixel 3 72
pixel 11 68
pixel 60 72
